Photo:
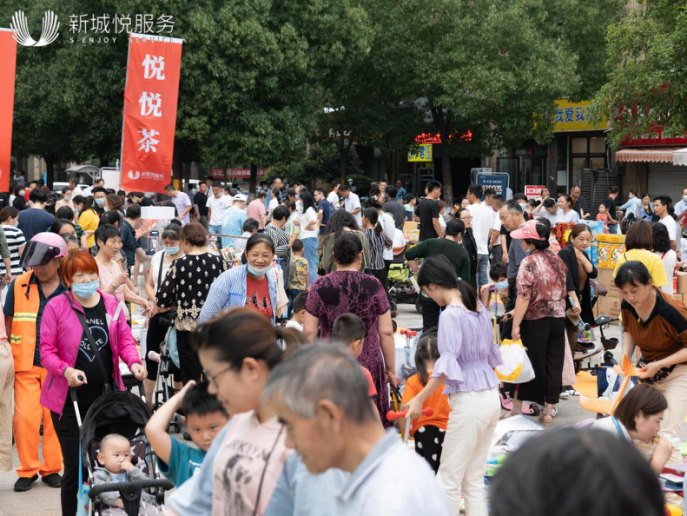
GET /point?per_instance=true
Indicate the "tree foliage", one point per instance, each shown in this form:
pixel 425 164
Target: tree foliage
pixel 646 89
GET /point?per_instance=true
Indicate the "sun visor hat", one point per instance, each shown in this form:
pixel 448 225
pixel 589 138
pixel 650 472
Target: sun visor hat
pixel 527 232
pixel 42 248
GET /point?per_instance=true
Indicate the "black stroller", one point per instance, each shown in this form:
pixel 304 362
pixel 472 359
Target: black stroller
pixel 123 413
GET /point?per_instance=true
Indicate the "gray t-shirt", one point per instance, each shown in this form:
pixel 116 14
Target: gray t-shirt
pixel 516 254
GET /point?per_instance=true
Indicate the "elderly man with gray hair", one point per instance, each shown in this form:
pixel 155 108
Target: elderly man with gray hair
pixel 321 395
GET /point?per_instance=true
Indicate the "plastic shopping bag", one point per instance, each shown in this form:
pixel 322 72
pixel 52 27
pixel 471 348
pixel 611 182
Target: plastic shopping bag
pixel 83 503
pixel 516 367
pixel 172 345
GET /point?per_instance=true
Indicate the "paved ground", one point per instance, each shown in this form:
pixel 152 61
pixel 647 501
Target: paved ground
pixel 45 501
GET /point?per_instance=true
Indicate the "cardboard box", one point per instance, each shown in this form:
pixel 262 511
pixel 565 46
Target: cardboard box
pixel 682 282
pixel 593 254
pixel 680 297
pixel 609 306
pixel 610 239
pixel 607 280
pixel 609 253
pixel 563 230
pixel 596 226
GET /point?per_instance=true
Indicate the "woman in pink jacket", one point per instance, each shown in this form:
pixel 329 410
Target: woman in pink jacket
pixel 84 333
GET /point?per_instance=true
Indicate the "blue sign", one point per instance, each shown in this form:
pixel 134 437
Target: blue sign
pixel 497 181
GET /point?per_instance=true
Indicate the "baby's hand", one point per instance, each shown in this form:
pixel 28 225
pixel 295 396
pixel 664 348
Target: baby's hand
pixel 119 503
pixel 127 466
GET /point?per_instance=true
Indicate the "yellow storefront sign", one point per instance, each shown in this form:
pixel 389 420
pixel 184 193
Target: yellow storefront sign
pixel 420 153
pixel 575 116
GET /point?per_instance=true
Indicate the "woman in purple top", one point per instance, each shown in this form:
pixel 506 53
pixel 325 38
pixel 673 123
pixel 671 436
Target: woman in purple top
pixel 539 316
pixel 347 290
pixel 466 369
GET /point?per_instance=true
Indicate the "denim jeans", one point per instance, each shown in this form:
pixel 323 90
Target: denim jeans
pixel 613 229
pixel 310 254
pixel 293 294
pixel 216 230
pixel 482 269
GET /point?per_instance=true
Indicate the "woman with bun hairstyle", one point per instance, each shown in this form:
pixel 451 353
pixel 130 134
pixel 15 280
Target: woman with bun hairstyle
pixel 186 286
pixel 347 290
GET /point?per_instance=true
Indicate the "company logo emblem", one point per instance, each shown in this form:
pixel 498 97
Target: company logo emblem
pixel 20 29
pixel 134 175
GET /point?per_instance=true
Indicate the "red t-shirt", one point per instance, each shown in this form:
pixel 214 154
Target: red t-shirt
pixel 258 296
pixel 371 389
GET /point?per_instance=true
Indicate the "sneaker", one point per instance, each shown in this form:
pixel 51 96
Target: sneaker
pixel 564 394
pixel 24 483
pixel 53 480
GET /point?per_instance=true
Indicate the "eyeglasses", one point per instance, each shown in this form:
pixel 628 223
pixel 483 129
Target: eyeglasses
pixel 213 379
pixel 466 218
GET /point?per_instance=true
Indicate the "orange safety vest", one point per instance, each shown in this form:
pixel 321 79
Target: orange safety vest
pixel 23 334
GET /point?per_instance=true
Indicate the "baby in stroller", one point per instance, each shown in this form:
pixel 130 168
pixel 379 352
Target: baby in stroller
pixel 116 466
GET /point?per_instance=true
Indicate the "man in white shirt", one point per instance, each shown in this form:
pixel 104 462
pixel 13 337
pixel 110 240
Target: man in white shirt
pixel 548 210
pixel 333 197
pixel 482 223
pixel 681 205
pixel 217 204
pixel 75 187
pixel 351 203
pixel 662 209
pixel 321 394
pixel 274 202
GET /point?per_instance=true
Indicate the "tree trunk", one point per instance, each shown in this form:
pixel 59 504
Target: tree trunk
pixel 442 124
pixel 177 169
pixel 253 176
pixel 50 170
pixel 187 174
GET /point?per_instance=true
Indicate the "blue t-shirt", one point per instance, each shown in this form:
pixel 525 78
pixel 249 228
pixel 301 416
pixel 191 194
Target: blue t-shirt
pixel 33 221
pixel 327 209
pixel 232 224
pixel 184 461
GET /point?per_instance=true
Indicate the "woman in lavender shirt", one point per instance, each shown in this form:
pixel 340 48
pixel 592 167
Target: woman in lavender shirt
pixel 466 370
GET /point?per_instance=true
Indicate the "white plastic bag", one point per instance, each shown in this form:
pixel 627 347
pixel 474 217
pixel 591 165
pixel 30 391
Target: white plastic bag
pixel 516 367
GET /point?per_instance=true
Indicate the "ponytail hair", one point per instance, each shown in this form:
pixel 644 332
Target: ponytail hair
pixel 372 214
pixel 438 270
pixel 427 351
pixel 240 333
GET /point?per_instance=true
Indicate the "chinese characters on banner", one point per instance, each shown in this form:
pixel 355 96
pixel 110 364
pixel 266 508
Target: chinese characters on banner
pixel 574 116
pixel 150 112
pixel 8 61
pixel 420 153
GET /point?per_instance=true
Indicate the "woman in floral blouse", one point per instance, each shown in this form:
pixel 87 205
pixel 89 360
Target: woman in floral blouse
pixel 540 315
pixel 187 285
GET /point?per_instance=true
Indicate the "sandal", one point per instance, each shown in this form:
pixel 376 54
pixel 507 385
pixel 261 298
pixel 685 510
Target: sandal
pixel 515 411
pixel 546 416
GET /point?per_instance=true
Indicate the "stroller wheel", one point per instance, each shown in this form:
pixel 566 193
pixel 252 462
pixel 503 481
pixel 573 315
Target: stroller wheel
pixel 531 410
pixel 418 305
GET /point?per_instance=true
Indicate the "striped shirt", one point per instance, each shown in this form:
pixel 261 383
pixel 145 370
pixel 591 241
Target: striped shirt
pixel 376 249
pixel 15 239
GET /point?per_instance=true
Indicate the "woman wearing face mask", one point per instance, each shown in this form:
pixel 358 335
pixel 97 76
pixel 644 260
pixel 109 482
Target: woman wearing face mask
pixel 17 199
pixel 66 199
pixel 159 266
pixel 579 271
pixel 186 285
pixel 71 324
pixel 252 284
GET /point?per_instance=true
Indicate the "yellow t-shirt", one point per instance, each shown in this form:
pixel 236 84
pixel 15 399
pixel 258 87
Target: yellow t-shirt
pixel 89 220
pixel 652 262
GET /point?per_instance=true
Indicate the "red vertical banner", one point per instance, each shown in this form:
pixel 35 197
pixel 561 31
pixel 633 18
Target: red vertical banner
pixel 8 63
pixel 150 112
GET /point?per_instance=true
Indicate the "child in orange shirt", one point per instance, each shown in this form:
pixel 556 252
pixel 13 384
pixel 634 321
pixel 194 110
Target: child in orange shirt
pixel 603 216
pixel 428 431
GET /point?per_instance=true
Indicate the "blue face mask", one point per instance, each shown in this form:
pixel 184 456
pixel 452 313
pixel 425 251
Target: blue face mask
pixel 85 290
pixel 501 285
pixel 100 202
pixel 170 250
pixel 258 272
pixel 16 224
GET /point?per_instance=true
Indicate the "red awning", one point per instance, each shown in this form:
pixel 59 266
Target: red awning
pixel 656 155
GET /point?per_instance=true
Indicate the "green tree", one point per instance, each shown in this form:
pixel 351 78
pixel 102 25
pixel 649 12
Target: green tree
pixel 647 85
pixel 488 66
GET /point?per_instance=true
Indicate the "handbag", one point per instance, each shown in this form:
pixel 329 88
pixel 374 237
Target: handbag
pixel 598 290
pixel 107 382
pixel 166 319
pixel 516 367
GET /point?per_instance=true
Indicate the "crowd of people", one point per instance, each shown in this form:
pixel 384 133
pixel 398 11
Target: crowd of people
pixel 257 287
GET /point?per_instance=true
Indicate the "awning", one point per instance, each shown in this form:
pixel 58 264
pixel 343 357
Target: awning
pixel 657 155
pixel 680 157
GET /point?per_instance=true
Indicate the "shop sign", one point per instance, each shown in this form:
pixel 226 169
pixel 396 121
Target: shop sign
pixel 575 116
pixel 420 153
